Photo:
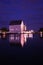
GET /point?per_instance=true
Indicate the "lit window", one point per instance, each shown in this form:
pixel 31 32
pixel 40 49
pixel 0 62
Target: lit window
pixel 11 37
pixel 16 28
pixel 17 38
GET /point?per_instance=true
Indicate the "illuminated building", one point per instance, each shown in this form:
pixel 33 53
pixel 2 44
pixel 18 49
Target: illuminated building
pixel 19 32
pixel 16 27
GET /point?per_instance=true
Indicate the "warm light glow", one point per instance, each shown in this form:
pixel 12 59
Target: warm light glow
pixel 25 37
pixel 32 30
pixel 41 34
pixel 22 40
pixel 4 34
pixel 28 34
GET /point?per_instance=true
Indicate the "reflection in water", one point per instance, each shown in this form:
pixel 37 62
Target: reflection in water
pixel 20 38
pixel 17 38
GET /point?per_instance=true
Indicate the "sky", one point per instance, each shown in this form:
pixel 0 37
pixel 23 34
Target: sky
pixel 30 11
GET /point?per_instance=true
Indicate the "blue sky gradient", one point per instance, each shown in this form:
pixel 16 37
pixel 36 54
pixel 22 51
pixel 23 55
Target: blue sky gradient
pixel 30 11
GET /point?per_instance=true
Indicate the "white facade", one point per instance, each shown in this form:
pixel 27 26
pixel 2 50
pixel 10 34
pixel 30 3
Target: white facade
pixel 17 29
pixel 22 33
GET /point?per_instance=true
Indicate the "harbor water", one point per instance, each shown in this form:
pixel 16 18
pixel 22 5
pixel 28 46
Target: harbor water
pixel 32 52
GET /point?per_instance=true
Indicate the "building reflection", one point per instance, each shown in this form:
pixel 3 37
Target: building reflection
pixel 19 32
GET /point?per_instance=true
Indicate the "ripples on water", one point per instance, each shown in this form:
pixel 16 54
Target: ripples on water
pixel 31 52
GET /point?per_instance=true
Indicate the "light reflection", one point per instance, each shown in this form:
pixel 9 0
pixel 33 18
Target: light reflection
pixel 11 38
pixel 24 36
pixel 4 34
pixel 41 34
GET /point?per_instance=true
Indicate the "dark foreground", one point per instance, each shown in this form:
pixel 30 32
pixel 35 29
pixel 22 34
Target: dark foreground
pixel 31 53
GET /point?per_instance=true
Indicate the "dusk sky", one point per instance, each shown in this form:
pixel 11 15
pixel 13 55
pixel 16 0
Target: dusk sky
pixel 30 11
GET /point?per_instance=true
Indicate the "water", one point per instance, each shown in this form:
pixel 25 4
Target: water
pixel 32 52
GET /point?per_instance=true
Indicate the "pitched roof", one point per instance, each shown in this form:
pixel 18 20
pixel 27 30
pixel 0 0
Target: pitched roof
pixel 15 22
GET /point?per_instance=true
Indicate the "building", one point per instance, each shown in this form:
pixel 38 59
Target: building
pixel 3 32
pixel 18 32
pixel 17 28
